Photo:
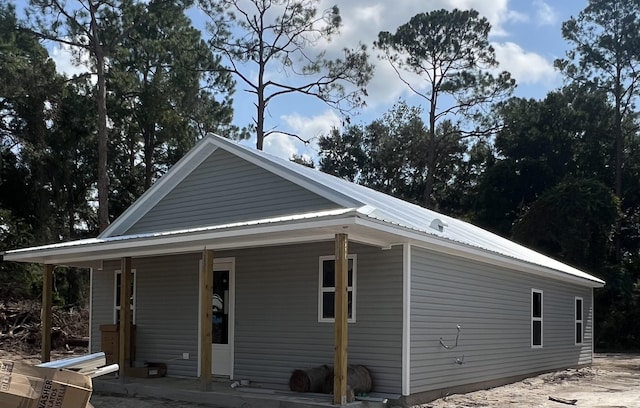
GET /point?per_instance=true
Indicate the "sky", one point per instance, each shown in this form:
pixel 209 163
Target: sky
pixel 526 35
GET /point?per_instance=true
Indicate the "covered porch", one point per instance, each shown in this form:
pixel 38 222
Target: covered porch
pixel 341 227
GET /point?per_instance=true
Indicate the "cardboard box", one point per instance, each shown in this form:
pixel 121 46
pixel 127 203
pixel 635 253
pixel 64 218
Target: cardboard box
pixel 25 386
pixel 150 370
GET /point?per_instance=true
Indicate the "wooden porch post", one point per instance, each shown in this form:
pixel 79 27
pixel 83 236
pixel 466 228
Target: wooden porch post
pixel 206 295
pixel 124 341
pixel 341 316
pixel 45 313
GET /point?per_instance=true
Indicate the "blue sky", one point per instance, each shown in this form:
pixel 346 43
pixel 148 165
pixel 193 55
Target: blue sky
pixel 525 33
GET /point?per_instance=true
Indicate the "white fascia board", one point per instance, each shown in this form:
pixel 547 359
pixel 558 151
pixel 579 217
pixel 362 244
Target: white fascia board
pixel 465 251
pixel 230 237
pixel 175 249
pixel 161 188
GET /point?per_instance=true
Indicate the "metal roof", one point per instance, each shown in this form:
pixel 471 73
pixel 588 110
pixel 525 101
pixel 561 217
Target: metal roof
pixel 399 218
pixel 383 207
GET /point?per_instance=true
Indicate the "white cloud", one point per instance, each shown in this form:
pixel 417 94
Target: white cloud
pixel 525 67
pixel 308 128
pixel 280 145
pixel 311 128
pixel 369 14
pixel 363 20
pixel 516 17
pixel 386 87
pixel 70 60
pixel 545 14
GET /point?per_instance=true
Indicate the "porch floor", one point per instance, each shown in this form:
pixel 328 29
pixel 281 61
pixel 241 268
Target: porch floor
pixel 222 395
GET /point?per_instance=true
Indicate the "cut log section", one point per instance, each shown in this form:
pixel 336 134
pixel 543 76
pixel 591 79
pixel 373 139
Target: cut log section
pixel 311 380
pixel 320 380
pixel 359 380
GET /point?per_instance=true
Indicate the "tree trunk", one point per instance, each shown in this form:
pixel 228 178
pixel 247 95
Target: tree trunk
pixel 38 129
pixel 619 149
pixel 431 147
pixel 101 102
pixel 260 120
pixel 430 179
pixel 261 105
pixel 149 141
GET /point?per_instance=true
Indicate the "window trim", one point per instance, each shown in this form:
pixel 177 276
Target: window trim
pixel 352 288
pixel 578 321
pixel 537 319
pixel 116 308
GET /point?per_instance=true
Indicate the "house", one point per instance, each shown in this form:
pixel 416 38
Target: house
pixel 236 257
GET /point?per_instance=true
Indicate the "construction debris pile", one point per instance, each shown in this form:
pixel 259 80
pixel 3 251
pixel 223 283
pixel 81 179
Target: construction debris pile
pixel 20 327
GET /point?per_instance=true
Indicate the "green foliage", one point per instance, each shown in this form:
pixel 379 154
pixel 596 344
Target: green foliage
pixel 70 286
pixel 71 163
pixel 606 56
pixel 389 154
pixel 162 76
pixel 28 84
pixel 342 154
pixel 605 44
pixel 84 26
pixel 571 221
pixel 16 280
pixel 305 161
pixel 168 90
pixel 545 179
pixel 541 143
pixel 450 52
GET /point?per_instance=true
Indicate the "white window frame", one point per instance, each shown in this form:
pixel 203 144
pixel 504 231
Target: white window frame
pixel 116 308
pixel 579 322
pixel 537 319
pixel 322 290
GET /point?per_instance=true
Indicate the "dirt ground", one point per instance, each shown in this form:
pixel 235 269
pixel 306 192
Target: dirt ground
pixel 612 382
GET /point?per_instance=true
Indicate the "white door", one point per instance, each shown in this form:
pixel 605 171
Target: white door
pixel 222 319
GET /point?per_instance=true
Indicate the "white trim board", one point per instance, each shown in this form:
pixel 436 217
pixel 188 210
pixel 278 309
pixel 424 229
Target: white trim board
pixel 406 319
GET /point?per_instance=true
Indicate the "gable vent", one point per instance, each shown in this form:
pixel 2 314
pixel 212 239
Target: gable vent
pixel 438 225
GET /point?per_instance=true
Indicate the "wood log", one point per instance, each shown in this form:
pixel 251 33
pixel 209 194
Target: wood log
pixel 78 342
pixel 311 380
pixel 564 401
pixel 359 380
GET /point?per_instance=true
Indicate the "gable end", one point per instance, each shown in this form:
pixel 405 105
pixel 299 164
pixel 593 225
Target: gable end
pixel 225 188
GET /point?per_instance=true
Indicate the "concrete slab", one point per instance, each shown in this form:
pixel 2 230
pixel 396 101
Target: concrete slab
pixel 222 395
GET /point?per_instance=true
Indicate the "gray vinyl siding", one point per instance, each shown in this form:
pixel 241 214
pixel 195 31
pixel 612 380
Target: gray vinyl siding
pixel 166 310
pixel 277 328
pixel 493 307
pixel 226 189
pixel 276 308
pixel 102 304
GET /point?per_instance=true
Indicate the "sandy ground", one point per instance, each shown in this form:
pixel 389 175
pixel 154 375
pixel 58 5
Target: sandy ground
pixel 612 382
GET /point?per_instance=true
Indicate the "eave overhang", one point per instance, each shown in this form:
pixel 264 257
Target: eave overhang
pixel 295 229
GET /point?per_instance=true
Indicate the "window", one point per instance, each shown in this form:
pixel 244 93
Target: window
pixel 579 326
pixel 536 318
pixel 116 309
pixel 327 287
